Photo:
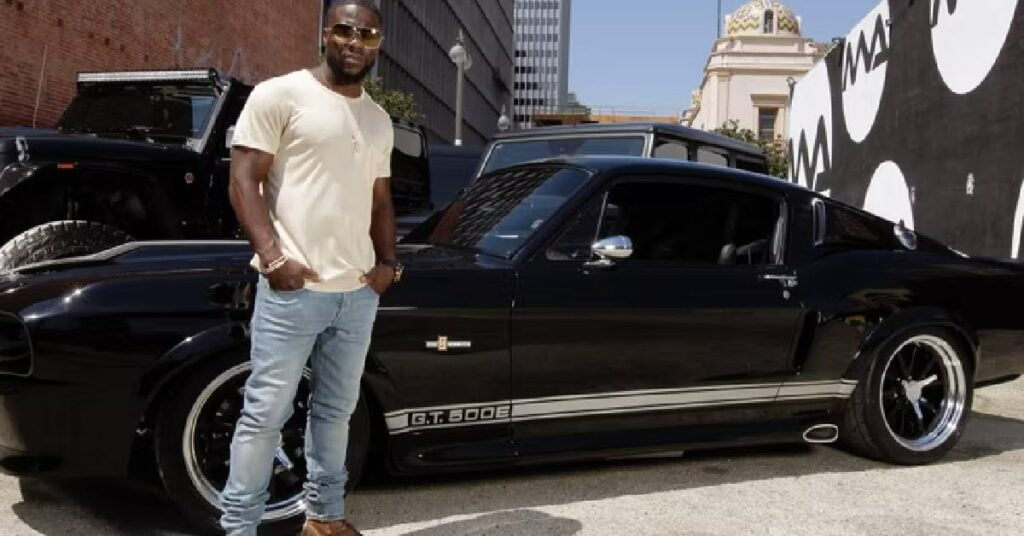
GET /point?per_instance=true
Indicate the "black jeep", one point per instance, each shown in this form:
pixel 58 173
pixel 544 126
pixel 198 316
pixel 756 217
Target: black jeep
pixel 142 155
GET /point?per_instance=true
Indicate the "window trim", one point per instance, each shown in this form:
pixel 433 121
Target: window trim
pixel 820 221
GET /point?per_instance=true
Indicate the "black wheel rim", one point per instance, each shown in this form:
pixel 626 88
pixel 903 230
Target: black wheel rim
pixel 923 393
pixel 206 444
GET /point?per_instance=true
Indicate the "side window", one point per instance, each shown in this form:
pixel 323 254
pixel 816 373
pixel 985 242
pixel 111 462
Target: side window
pixel 675 222
pixel 671 149
pixel 757 166
pixel 836 224
pixel 709 155
pixel 579 234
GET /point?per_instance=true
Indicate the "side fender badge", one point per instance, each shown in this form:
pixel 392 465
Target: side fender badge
pixel 443 344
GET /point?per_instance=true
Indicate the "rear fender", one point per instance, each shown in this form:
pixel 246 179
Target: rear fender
pixel 910 319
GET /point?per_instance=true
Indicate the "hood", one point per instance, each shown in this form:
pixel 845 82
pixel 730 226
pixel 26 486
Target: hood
pixel 432 274
pixel 139 260
pixel 29 144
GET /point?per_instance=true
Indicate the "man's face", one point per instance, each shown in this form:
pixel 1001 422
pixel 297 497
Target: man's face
pixel 349 57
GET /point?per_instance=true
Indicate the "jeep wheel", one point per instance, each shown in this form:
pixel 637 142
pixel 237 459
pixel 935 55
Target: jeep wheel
pixel 57 240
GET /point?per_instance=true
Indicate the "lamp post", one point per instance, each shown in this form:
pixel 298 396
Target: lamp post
pixel 461 59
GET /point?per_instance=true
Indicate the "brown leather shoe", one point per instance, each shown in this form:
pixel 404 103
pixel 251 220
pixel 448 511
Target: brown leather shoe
pixel 329 528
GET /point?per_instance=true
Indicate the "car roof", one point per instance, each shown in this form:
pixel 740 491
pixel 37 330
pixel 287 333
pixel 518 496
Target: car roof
pixel 680 131
pixel 645 166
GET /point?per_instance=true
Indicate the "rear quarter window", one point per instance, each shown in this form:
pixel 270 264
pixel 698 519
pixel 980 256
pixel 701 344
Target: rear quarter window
pixel 835 224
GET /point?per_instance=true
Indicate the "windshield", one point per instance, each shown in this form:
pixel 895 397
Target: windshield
pixel 164 113
pixel 509 153
pixel 498 213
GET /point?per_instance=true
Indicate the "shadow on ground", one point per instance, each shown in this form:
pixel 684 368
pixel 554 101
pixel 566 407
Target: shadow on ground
pixel 116 508
pixel 93 506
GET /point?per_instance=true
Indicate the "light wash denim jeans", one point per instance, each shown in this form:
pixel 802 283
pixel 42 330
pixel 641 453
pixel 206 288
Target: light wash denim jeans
pixel 331 331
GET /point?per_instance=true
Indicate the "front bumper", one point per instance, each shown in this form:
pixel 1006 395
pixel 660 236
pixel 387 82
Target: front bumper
pixel 53 429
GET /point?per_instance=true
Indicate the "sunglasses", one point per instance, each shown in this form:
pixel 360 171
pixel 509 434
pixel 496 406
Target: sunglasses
pixel 370 37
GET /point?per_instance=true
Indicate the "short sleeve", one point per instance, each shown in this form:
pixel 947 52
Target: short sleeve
pixel 263 119
pixel 383 166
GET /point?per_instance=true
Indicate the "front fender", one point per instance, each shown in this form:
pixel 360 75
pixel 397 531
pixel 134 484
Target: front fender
pixel 232 337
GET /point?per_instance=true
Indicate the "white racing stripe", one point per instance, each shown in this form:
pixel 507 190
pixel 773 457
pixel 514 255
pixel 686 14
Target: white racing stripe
pixel 594 404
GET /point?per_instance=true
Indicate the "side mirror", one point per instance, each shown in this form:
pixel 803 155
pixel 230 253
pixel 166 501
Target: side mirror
pixel 229 136
pixel 613 247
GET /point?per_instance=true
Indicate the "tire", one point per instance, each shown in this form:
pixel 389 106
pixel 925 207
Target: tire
pixel 193 435
pixel 57 240
pixel 928 366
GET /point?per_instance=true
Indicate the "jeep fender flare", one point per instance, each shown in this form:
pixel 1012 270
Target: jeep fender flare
pixel 17 173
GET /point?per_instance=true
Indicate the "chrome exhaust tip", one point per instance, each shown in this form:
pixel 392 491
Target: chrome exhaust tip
pixel 822 433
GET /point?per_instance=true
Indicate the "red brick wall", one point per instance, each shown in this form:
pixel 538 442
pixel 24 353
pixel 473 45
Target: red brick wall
pixel 248 39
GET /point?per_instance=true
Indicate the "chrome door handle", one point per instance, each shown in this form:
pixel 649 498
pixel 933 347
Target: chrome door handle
pixel 788 281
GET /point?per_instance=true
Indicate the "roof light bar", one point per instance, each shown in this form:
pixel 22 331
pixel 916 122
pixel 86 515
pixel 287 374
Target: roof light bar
pixel 148 76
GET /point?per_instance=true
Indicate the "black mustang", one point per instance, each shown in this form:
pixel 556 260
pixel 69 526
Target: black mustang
pixel 588 307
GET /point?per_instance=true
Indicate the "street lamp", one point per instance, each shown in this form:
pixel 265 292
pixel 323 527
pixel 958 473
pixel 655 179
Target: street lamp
pixel 461 59
pixel 503 121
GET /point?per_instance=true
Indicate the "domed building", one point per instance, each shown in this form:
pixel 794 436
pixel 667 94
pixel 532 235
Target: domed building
pixel 745 79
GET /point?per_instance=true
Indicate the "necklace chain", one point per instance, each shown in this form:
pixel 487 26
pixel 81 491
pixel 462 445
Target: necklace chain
pixel 355 110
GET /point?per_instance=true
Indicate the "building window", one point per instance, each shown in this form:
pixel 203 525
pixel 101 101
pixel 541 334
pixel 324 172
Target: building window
pixel 769 22
pixel 766 119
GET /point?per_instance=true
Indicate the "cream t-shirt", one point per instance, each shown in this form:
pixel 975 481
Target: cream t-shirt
pixel 328 151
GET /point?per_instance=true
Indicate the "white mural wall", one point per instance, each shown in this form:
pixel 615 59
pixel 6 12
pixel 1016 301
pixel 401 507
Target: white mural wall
pixel 917 117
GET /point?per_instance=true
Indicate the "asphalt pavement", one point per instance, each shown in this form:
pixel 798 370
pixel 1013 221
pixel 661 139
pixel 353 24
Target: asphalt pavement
pixel 801 490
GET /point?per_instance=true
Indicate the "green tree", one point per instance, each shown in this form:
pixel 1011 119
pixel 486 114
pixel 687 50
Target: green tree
pixel 396 103
pixel 774 150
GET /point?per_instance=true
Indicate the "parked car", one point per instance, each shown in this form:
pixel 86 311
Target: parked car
pixel 653 140
pixel 575 308
pixel 451 169
pixel 143 155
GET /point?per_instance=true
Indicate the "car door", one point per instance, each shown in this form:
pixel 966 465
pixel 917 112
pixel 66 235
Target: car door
pixel 697 327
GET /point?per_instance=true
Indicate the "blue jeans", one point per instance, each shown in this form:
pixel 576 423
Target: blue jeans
pixel 331 331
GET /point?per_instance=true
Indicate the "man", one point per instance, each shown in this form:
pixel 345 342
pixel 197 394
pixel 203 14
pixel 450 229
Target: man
pixel 309 184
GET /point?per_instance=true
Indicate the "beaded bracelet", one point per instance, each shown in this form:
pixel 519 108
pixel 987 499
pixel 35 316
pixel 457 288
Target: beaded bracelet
pixel 275 264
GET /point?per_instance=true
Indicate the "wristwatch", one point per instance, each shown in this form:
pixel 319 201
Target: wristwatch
pixel 396 266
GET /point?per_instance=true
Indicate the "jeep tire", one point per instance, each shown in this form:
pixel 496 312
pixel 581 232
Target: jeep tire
pixel 57 240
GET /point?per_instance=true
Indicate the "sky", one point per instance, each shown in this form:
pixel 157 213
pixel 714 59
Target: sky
pixel 650 54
